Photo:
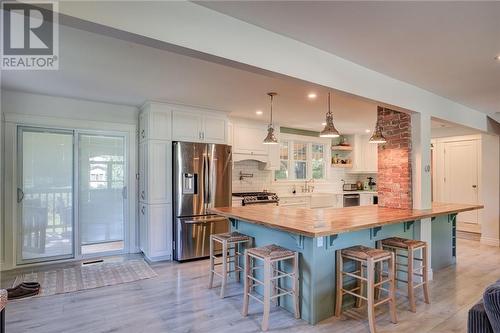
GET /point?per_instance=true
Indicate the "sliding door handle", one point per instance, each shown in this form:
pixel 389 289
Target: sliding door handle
pixel 20 195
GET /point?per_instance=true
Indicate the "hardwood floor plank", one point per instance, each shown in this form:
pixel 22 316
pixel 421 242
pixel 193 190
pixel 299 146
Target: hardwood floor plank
pixel 178 301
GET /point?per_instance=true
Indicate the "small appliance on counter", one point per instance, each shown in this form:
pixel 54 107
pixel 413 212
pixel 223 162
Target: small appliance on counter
pixel 350 187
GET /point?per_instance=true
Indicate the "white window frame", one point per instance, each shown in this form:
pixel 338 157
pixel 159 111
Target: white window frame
pixel 291 139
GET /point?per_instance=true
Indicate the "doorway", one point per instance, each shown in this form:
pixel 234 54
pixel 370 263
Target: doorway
pixel 72 194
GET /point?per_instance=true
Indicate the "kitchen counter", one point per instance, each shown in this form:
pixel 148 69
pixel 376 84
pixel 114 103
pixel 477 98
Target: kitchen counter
pixel 332 221
pixel 316 234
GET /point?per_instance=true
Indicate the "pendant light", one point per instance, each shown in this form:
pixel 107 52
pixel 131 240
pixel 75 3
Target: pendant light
pixel 271 138
pixel 377 136
pixel 329 131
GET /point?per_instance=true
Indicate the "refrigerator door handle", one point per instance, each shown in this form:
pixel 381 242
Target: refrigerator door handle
pixel 205 182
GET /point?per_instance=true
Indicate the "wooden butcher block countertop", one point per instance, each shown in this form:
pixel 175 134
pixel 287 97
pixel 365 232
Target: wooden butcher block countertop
pixel 331 221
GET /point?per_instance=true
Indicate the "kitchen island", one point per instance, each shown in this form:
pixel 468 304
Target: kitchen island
pixel 317 233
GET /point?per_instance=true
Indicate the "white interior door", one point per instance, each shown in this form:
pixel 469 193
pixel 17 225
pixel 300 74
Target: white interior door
pixel 45 195
pixel 101 193
pixel 461 176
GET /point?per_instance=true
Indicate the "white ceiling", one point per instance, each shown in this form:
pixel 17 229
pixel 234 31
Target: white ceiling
pixel 445 47
pixel 102 68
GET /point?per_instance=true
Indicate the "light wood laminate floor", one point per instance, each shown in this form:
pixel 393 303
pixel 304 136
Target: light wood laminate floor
pixel 178 301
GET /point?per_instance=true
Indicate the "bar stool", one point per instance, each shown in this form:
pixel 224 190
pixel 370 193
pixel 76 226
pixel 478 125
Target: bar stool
pixel 272 256
pixel 229 241
pixel 366 260
pixel 409 246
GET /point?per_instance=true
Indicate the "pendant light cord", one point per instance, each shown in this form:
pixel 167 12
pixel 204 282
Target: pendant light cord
pixel 271 111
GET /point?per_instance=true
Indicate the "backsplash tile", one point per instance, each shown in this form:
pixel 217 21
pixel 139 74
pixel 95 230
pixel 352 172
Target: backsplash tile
pixel 264 179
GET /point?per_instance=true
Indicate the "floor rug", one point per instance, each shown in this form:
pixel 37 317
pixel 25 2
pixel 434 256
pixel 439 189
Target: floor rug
pixel 82 277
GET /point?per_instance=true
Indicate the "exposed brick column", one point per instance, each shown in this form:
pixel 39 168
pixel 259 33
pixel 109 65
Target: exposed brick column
pixel 394 160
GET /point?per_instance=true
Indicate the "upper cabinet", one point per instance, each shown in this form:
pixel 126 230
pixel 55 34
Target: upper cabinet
pixel 365 155
pixel 199 127
pixel 248 137
pixel 155 122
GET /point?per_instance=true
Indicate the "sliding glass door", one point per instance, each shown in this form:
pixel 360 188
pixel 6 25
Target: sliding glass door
pixel 101 193
pixel 72 194
pixel 45 194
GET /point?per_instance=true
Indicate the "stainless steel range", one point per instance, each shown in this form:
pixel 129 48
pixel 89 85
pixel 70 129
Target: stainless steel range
pixel 257 198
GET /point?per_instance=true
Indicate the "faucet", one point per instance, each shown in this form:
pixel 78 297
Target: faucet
pixel 308 188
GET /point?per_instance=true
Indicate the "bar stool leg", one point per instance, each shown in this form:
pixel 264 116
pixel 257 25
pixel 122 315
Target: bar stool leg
pixel 296 287
pixel 237 262
pixel 392 288
pixel 425 274
pixel 371 294
pixel 246 284
pixel 212 266
pixel 267 294
pixel 338 290
pixel 411 290
pixel 224 269
pixel 360 284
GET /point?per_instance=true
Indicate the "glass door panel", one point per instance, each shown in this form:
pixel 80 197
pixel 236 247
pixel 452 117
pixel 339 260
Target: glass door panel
pixel 45 194
pixel 101 193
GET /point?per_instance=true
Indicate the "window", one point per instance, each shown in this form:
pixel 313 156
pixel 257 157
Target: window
pixel 318 161
pixel 282 173
pixel 302 160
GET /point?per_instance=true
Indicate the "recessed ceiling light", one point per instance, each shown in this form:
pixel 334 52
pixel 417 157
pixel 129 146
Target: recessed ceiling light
pixel 367 130
pixel 497 57
pixel 323 123
pixel 259 112
pixel 312 95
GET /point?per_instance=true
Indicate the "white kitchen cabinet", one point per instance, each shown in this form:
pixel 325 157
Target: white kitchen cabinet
pixel 365 155
pixel 248 137
pixel 365 199
pixel 155 172
pixel 155 122
pixel 187 126
pixel 199 127
pixel 155 223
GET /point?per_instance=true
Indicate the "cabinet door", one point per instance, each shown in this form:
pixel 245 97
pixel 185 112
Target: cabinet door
pixel 159 231
pixel 247 139
pixel 358 162
pixel 214 130
pixel 186 126
pixel 371 155
pixel 365 199
pixel 159 125
pixel 159 171
pixel 143 228
pixel 143 162
pixel 142 126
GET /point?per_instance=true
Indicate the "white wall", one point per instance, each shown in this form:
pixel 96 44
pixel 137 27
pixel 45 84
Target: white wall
pixel 21 108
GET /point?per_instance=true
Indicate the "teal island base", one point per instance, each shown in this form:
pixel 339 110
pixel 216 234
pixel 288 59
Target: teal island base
pixel 317 257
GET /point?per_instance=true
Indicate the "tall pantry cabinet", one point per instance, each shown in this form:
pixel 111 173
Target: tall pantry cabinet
pixel 155 181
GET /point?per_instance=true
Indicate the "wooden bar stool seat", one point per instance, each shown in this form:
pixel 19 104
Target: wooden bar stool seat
pixel 366 261
pixel 403 243
pixel 229 241
pixel 272 256
pixel 408 268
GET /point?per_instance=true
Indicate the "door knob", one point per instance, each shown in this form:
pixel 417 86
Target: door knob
pixel 474 186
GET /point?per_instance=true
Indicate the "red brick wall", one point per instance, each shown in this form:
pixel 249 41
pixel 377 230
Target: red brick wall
pixel 394 160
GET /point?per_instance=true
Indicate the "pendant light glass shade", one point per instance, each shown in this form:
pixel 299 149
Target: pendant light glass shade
pixel 329 131
pixel 377 136
pixel 271 138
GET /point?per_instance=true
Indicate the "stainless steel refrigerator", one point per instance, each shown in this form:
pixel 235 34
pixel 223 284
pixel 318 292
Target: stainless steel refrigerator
pixel 201 180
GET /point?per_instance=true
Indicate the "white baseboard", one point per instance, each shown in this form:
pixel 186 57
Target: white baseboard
pixel 156 259
pixel 490 241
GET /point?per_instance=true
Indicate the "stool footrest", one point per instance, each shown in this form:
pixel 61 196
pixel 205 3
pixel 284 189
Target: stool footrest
pixel 353 294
